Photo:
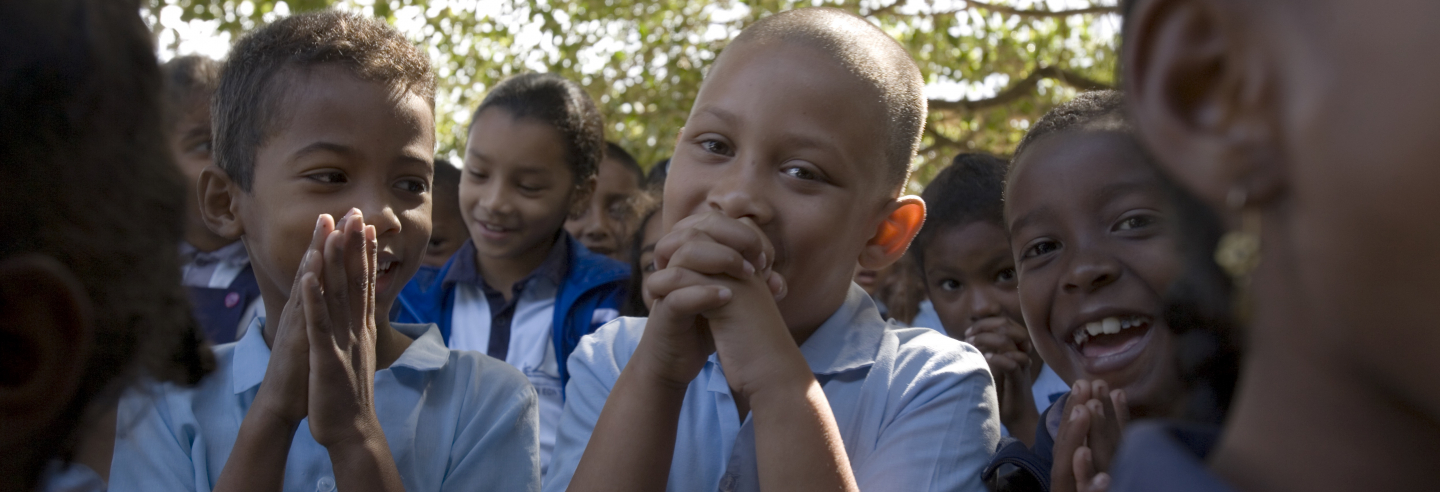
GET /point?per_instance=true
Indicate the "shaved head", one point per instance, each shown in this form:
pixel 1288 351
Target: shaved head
pixel 872 56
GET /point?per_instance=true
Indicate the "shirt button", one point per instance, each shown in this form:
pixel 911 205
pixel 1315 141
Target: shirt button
pixel 727 483
pixel 326 484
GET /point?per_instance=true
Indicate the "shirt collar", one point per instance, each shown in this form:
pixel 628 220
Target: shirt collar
pixel 466 271
pixel 426 353
pixel 849 339
pixel 1160 455
pixel 233 253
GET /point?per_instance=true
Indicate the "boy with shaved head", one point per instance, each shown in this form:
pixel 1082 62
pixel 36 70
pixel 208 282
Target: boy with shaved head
pixel 762 366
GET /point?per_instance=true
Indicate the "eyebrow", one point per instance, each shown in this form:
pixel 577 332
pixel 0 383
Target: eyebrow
pixel 1113 190
pixel 1030 218
pixel 201 131
pixel 321 147
pixel 723 115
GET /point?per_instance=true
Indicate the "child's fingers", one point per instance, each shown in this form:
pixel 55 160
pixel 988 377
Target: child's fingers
pixel 1079 393
pixel 1099 483
pixel 357 268
pixel 1103 438
pixel 692 300
pixel 992 342
pixel 1073 429
pixel 663 282
pixel 372 263
pixel 712 226
pixel 1122 407
pixel 1001 364
pixel 1085 474
pixel 317 314
pixel 777 284
pixel 712 259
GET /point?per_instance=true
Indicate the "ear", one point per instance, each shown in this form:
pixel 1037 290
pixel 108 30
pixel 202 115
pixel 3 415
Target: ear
pixel 218 202
pixel 580 198
pixel 1203 96
pixel 45 337
pixel 894 234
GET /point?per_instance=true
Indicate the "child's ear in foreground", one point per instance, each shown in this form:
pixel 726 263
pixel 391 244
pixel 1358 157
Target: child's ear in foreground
pixel 217 203
pixel 893 235
pixel 46 328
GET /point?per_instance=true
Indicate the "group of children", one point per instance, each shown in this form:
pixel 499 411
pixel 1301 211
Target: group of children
pixel 531 320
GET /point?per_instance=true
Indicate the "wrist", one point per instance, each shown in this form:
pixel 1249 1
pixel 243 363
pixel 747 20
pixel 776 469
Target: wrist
pixel 356 437
pixel 648 370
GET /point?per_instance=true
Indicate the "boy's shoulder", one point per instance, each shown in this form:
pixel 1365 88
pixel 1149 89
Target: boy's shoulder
pixel 614 342
pixel 476 373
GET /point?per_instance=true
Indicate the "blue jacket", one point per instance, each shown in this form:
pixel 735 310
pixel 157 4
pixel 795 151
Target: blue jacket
pixel 591 294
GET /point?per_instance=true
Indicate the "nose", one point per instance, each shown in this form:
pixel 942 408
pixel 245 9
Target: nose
pixel 743 194
pixel 495 198
pixel 982 304
pixel 1091 272
pixel 597 225
pixel 381 214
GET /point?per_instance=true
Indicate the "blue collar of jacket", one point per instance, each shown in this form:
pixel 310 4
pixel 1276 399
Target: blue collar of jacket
pixel 590 283
pixel 464 269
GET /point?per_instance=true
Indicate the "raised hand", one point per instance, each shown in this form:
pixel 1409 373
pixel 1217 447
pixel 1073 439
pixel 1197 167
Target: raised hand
pixel 702 261
pixel 1094 419
pixel 1006 346
pixel 339 304
pixel 284 395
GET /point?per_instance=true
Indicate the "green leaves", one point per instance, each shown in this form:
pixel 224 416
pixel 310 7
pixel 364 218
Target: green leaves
pixel 994 67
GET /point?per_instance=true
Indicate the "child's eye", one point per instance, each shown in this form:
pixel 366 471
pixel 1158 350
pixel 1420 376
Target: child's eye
pixel 1005 276
pixel 530 189
pixel 413 185
pixel 1041 248
pixel 950 284
pixel 715 147
pixel 619 210
pixel 329 177
pixel 203 147
pixel 478 175
pixel 1136 222
pixel 800 173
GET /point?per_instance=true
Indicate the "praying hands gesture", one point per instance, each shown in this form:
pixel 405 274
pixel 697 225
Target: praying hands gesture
pixel 322 366
pixel 716 293
pixel 1006 346
pixel 1093 420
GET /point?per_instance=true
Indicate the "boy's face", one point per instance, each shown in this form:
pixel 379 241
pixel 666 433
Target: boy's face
pixel 517 189
pixel 449 228
pixel 610 217
pixel 189 142
pixel 344 143
pixel 769 139
pixel 1350 143
pixel 970 276
pixel 1094 256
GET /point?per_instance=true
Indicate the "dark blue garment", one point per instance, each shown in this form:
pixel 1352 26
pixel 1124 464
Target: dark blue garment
pixel 219 310
pixel 1166 455
pixel 502 312
pixel 1016 468
pixel 591 290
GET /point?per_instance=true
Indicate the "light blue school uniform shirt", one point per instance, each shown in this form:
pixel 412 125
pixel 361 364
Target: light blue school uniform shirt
pixel 454 420
pixel 915 408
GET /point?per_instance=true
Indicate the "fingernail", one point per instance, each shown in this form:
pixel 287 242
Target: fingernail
pixel 319 221
pixel 1076 412
pixel 725 294
pixel 763 262
pixel 749 268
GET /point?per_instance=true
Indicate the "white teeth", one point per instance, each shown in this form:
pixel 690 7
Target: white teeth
pixel 1107 326
pixel 489 227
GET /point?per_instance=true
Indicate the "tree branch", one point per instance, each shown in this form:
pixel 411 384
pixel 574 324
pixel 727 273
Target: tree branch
pixel 1096 9
pixel 1020 89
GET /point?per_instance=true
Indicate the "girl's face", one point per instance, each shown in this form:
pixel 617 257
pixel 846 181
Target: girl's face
pixel 517 189
pixel 1095 257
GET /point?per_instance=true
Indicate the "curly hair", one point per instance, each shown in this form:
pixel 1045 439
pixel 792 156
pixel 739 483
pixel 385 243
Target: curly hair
pixel 247 107
pixel 970 189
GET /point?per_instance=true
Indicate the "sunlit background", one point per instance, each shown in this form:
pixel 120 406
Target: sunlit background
pixel 992 67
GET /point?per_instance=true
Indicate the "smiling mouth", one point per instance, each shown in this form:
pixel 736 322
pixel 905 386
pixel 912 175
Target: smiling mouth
pixel 1113 342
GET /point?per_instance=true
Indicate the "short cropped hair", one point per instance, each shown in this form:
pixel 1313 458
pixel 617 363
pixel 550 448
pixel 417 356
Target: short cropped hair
pixel 248 105
pixel 189 82
pixel 561 104
pixel 872 56
pixel 617 153
pixel 1089 111
pixel 971 189
pixel 81 136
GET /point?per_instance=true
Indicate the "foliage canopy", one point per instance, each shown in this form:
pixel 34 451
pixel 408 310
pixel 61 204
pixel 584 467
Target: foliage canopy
pixel 993 66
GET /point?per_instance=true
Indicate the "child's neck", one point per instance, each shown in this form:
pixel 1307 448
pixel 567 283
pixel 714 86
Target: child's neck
pixel 389 342
pixel 1304 418
pixel 501 274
